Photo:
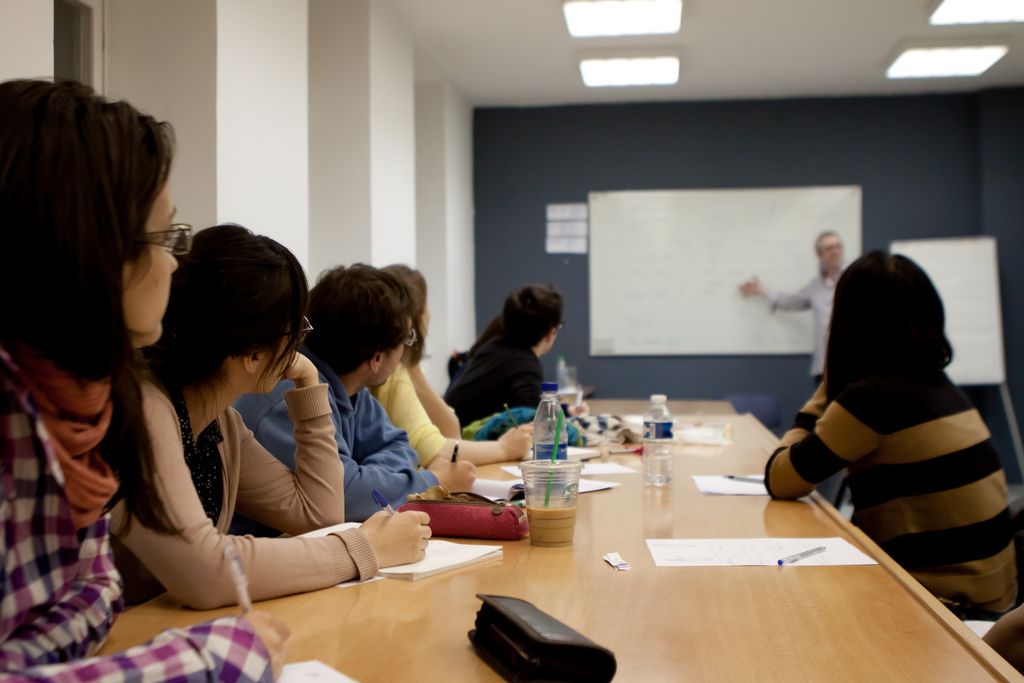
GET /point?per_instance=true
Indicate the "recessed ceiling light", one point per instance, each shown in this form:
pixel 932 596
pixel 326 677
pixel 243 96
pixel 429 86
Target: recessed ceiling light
pixel 599 73
pixel 941 62
pixel 978 12
pixel 622 17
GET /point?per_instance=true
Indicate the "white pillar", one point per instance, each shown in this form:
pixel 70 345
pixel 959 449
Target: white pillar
pixel 263 119
pixel 444 215
pixel 161 55
pixel 26 39
pixel 362 140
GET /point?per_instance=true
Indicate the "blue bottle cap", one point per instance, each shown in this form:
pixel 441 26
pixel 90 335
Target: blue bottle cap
pixel 548 386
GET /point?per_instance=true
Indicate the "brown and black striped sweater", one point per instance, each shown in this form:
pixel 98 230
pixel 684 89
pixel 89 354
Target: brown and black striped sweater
pixel 925 480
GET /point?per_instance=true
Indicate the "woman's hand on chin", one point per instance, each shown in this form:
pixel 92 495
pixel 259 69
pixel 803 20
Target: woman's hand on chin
pixel 302 372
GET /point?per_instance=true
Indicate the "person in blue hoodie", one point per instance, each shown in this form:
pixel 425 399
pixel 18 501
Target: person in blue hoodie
pixel 360 327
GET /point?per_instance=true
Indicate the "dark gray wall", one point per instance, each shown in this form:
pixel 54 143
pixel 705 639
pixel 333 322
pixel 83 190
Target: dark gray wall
pixel 929 166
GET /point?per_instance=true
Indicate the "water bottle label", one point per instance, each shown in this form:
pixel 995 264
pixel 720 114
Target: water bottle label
pixel 543 452
pixel 657 430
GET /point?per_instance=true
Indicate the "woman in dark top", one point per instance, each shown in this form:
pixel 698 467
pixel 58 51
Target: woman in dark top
pixel 926 483
pixel 507 369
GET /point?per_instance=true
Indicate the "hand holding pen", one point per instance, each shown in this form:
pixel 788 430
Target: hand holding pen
pixel 397 537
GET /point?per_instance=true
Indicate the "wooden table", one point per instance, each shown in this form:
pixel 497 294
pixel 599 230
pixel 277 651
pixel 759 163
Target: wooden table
pixel 626 406
pixel 729 624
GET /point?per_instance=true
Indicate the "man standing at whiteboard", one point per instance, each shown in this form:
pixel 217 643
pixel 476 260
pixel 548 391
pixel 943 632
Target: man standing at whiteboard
pixel 817 295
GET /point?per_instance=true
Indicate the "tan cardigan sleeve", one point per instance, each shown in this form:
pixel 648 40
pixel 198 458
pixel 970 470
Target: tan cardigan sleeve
pixel 311 497
pixel 191 565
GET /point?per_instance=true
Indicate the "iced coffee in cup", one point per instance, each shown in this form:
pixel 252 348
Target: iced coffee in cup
pixel 552 489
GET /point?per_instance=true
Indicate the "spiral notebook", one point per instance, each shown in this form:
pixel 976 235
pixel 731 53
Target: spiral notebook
pixel 441 555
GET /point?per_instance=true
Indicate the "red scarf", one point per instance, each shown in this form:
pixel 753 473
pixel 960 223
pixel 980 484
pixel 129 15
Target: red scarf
pixel 76 414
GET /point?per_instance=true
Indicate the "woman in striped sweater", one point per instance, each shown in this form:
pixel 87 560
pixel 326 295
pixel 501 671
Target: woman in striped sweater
pixel 926 483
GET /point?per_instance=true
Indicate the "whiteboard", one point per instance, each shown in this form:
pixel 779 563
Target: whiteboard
pixel 965 272
pixel 666 266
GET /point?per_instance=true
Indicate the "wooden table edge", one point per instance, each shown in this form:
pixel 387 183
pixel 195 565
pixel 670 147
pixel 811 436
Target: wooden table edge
pixel 988 658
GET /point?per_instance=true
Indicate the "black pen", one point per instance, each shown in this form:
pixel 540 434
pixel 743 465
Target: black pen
pixel 455 453
pixel 748 480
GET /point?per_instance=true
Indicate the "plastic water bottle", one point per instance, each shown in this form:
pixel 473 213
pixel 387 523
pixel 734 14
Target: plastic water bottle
pixel 658 444
pixel 562 373
pixel 545 422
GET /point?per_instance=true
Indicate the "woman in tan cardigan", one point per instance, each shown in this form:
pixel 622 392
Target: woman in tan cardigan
pixel 232 327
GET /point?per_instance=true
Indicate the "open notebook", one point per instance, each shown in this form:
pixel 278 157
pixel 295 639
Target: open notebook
pixel 512 489
pixel 441 555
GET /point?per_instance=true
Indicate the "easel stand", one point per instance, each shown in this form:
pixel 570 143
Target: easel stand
pixel 1011 419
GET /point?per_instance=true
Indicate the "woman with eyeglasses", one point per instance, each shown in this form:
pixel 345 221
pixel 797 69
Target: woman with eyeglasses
pixel 88 244
pixel 234 324
pixel 413 405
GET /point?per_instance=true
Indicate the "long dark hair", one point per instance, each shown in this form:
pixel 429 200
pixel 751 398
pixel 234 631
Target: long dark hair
pixel 530 314
pixel 234 293
pixel 494 329
pixel 886 317
pixel 417 307
pixel 78 178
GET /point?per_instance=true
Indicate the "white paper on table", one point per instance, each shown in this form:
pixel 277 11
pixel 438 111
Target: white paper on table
pixel 357 582
pixel 724 486
pixel 589 468
pixel 737 552
pixel 312 672
pixel 442 556
pixel 574 453
pixel 705 435
pixel 337 528
pixel 980 628
pixel 497 490
pixel 710 434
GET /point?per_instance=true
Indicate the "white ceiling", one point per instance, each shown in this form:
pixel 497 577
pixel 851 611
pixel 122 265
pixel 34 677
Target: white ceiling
pixel 519 53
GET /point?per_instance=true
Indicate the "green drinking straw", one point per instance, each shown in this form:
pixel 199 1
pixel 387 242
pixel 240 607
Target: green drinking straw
pixel 554 454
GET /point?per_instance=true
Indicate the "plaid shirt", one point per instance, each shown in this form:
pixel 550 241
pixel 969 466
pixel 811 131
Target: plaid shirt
pixel 60 589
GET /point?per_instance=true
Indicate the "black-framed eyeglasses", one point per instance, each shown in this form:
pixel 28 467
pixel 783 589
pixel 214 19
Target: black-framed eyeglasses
pixel 411 338
pixel 177 240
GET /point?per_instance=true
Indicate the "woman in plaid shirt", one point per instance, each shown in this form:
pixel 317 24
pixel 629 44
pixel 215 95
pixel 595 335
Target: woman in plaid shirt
pixel 88 244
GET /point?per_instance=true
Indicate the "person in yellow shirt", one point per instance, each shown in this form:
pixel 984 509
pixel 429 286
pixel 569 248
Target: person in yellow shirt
pixel 413 405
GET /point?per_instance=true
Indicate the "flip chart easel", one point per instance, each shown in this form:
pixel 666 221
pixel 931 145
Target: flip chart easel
pixel 965 271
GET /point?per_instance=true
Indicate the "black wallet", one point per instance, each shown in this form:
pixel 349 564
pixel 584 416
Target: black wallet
pixel 523 643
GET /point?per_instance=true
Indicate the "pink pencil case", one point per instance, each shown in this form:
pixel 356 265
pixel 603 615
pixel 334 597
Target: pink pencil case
pixel 469 515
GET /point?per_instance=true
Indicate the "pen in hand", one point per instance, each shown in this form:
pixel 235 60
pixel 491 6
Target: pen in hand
pixel 455 453
pixel 801 556
pixel 511 417
pixel 237 575
pixel 383 502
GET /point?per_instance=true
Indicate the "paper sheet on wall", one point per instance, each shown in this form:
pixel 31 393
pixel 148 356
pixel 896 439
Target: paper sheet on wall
pixel 577 211
pixel 738 552
pixel 566 245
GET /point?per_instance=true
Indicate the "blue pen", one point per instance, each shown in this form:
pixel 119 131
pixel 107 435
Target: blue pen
pixel 379 498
